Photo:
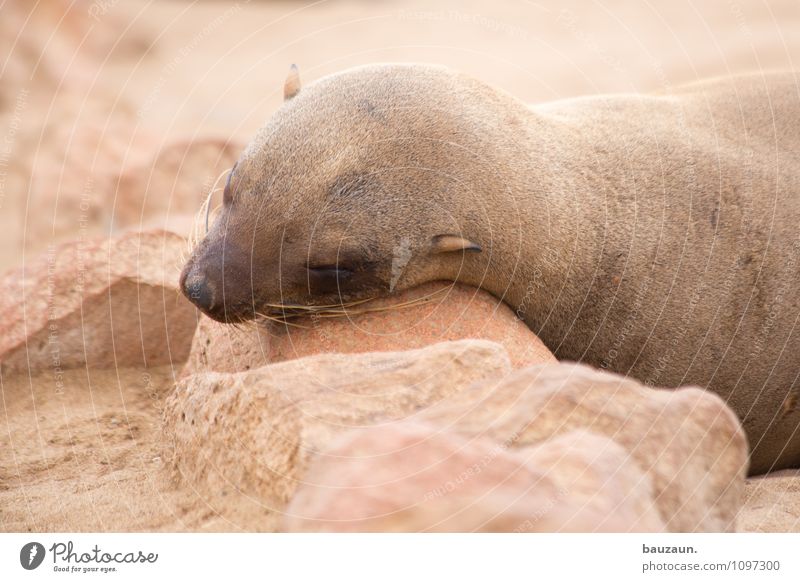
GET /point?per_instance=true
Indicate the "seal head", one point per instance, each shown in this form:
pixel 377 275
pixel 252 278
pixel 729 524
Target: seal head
pixel 348 192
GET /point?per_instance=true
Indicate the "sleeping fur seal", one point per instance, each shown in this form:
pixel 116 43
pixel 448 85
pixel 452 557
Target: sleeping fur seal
pixel 651 235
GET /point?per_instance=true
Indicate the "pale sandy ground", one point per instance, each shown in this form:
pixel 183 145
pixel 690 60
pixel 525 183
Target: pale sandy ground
pixel 83 97
pixel 89 459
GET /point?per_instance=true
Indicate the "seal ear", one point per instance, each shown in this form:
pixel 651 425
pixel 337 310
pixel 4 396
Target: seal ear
pixel 446 243
pixel 291 86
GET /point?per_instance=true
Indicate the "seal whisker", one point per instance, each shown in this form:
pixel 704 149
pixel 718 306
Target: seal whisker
pixel 342 309
pixel 215 189
pixel 204 211
pixel 300 307
pixel 265 317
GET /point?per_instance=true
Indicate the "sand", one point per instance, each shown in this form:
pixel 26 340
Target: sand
pixel 87 99
pixel 89 458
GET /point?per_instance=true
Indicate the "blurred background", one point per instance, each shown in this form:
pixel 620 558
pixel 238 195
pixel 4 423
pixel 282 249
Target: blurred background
pixel 120 114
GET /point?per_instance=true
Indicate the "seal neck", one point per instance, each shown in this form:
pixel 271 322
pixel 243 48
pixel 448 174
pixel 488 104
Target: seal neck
pixel 537 215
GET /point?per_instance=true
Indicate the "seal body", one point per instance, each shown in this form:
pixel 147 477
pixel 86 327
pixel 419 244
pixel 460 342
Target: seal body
pixel 679 258
pixel 651 235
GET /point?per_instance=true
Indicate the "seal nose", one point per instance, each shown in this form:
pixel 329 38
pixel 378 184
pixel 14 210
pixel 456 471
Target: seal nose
pixel 197 288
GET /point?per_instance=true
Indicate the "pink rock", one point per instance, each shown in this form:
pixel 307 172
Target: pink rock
pixel 686 440
pixel 450 312
pixel 100 303
pixel 244 440
pixel 411 477
pixel 71 179
pixel 166 190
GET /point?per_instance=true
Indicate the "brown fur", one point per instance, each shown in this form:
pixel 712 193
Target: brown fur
pixel 651 235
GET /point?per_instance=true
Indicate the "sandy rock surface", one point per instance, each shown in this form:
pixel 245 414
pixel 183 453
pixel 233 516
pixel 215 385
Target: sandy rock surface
pixel 772 503
pixel 85 455
pixel 257 432
pixel 103 303
pixel 687 441
pixel 431 313
pixel 246 438
pixel 412 477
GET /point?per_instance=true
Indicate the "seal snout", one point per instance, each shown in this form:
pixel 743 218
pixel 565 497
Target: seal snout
pixel 198 289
